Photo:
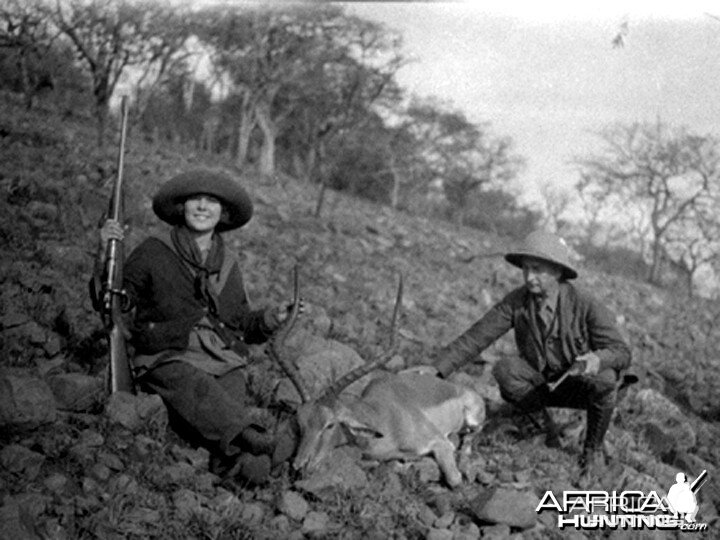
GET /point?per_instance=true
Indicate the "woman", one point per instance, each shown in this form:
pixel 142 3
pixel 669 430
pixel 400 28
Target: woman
pixel 192 324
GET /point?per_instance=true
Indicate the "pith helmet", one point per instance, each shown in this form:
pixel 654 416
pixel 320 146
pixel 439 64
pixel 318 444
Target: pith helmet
pixel 218 183
pixel 547 247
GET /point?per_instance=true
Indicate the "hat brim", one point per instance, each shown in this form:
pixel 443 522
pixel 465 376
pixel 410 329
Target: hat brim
pixel 516 259
pixel 237 206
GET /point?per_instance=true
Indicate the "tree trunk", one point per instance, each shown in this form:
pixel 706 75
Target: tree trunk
pixel 244 132
pixel 269 131
pixel 320 199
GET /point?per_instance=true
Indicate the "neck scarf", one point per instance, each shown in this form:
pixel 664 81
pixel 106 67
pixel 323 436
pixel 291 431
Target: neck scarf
pixel 187 248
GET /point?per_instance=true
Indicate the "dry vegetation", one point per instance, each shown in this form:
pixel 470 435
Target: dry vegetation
pixel 97 479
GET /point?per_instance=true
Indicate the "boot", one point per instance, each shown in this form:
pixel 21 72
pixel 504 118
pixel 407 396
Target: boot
pixel 598 422
pixel 552 432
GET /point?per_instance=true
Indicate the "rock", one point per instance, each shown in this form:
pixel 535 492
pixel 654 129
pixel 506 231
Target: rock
pixel 53 345
pixel 111 461
pixel 197 457
pixel 338 470
pixel 315 523
pixel 444 521
pixel 427 469
pixel 664 426
pixel 464 529
pixel 509 506
pixel 321 361
pixel 177 473
pixel 500 531
pixel 426 516
pixel 56 483
pixel 186 503
pixel 100 472
pixel 123 484
pixel 135 411
pixel 90 437
pixel 293 505
pixel 439 534
pixel 76 392
pixel 25 402
pixel 253 513
pixel 15 523
pixel 19 460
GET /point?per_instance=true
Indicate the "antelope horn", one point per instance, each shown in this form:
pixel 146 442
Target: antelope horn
pixel 281 335
pixel 360 371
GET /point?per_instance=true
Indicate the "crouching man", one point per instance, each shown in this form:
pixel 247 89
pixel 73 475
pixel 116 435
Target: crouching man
pixel 570 351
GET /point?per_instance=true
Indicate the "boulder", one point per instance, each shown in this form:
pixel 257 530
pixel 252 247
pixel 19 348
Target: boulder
pixel 338 471
pixel 320 362
pixel 293 505
pixel 19 460
pixel 509 506
pixel 135 411
pixel 25 402
pixel 76 392
pixel 663 425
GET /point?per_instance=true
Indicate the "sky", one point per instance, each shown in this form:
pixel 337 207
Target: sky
pixel 546 73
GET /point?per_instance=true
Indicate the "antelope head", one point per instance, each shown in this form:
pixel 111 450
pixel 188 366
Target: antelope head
pixel 322 417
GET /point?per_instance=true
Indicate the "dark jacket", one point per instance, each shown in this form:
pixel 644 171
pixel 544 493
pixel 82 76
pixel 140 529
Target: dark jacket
pixel 161 289
pixel 584 326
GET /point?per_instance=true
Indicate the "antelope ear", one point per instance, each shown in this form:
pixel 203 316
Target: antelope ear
pixel 355 428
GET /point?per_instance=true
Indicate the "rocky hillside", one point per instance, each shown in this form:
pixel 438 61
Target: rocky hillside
pixel 75 464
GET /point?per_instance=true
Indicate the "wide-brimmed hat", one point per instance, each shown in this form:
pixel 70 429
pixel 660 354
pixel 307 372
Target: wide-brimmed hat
pixel 218 183
pixel 546 247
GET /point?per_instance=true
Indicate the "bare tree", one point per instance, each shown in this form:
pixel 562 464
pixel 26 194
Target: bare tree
pixel 662 173
pixel 109 36
pixel 26 33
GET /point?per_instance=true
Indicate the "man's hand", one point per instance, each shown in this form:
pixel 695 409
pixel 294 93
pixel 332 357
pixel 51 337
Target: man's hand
pixel 591 361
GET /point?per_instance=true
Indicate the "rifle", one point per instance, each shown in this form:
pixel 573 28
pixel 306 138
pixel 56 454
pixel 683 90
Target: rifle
pixel 119 374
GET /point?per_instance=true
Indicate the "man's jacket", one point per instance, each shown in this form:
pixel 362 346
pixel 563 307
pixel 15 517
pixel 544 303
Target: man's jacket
pixel 584 326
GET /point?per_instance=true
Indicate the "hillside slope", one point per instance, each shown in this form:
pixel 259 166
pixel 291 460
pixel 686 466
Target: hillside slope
pixel 79 471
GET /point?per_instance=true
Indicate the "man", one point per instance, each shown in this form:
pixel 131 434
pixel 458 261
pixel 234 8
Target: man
pixel 192 324
pixel 560 331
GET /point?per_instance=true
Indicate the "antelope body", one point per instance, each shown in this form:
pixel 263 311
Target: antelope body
pixel 398 416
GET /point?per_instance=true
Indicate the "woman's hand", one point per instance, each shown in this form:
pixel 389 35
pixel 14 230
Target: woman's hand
pixel 275 316
pixel 111 230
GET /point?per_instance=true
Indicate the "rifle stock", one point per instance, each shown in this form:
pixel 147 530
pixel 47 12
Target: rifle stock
pixel 119 373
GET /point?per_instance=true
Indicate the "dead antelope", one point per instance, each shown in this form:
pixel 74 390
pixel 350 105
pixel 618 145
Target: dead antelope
pixel 397 416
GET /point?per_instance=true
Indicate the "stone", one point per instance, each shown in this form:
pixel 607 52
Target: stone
pixel 338 471
pixel 439 534
pixel 186 503
pixel 664 426
pixel 253 513
pixel 56 483
pixel 25 402
pixel 14 523
pixel 509 506
pixel 19 460
pixel 135 411
pixel 427 469
pixel 315 523
pixel 499 531
pixel 76 392
pixel 293 505
pixel 321 361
